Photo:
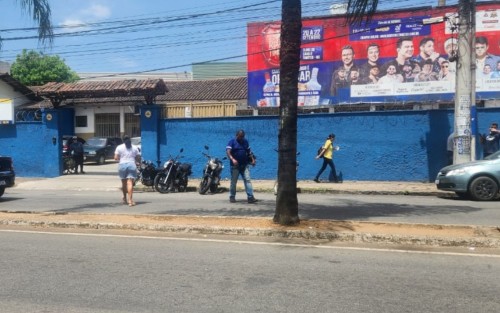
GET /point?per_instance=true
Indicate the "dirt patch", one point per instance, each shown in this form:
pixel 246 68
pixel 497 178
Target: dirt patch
pixel 441 235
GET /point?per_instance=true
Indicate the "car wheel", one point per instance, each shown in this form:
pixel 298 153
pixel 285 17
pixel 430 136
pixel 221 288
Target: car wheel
pixel 2 190
pixel 101 160
pixel 483 188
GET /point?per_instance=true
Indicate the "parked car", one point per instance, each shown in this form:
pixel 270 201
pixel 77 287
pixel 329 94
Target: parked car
pixel 67 139
pixel 7 174
pixel 479 180
pixel 136 141
pixel 99 149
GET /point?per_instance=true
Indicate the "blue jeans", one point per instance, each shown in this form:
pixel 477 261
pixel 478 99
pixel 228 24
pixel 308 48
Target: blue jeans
pixel 244 171
pixel 333 173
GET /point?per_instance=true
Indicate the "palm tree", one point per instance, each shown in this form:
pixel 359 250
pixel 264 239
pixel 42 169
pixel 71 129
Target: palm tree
pixel 40 12
pixel 287 206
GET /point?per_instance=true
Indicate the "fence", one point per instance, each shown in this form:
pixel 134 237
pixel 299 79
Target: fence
pixel 196 110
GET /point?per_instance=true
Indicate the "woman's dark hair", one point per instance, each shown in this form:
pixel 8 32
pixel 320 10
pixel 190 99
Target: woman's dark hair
pixel 127 142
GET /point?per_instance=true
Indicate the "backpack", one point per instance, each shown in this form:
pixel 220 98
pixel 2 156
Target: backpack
pixel 319 151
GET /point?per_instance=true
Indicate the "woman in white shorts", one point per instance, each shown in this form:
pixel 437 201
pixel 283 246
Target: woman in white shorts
pixel 127 155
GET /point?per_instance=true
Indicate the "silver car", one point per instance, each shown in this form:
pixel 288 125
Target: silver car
pixel 479 180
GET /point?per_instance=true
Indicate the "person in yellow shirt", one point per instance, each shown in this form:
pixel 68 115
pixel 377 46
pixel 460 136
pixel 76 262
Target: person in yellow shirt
pixel 327 154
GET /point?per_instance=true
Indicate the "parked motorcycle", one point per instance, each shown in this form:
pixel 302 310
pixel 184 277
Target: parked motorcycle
pixel 173 176
pixel 147 172
pixel 211 173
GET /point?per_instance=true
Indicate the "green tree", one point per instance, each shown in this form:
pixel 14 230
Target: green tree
pixel 35 69
pixel 40 12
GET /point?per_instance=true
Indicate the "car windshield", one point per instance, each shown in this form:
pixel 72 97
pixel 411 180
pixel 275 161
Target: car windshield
pixel 493 156
pixel 96 142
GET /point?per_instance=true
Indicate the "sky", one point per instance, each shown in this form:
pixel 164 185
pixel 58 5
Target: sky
pixel 128 36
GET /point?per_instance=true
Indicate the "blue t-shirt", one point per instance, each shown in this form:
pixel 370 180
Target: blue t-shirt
pixel 239 150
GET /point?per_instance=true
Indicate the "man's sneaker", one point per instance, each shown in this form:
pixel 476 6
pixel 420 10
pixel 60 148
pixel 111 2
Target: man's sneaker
pixel 316 180
pixel 232 200
pixel 252 200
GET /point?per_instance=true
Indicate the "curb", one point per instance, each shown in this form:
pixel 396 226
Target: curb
pixel 333 231
pixel 306 190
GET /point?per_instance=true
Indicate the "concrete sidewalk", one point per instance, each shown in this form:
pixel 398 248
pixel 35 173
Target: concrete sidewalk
pixel 105 178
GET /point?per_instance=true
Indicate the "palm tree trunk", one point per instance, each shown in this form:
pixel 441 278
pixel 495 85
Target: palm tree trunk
pixel 287 206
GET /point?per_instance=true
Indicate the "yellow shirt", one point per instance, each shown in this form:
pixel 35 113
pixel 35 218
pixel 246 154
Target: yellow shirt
pixel 328 146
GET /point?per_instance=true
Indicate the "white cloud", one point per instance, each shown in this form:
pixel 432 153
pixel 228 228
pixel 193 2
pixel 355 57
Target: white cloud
pixel 73 25
pixel 89 14
pixel 97 11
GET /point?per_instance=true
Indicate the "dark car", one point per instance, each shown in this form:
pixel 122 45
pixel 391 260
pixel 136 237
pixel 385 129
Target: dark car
pixel 7 174
pixel 479 180
pixel 99 149
pixel 67 140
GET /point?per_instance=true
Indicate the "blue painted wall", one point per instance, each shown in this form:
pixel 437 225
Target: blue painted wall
pixel 397 145
pixel 31 144
pixel 392 146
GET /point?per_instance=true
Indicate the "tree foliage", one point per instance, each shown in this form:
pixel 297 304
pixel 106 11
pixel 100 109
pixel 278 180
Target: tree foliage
pixel 35 69
pixel 40 12
pixel 360 10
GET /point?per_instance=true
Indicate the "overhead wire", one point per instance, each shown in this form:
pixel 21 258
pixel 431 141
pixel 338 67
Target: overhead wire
pixel 152 43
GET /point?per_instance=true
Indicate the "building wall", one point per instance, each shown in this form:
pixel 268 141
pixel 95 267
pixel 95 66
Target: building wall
pixel 391 146
pixel 35 147
pixel 381 146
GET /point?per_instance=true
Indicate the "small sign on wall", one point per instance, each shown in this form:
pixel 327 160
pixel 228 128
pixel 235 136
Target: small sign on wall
pixel 187 111
pixel 6 111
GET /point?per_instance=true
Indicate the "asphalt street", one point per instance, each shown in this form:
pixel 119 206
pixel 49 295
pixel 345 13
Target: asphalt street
pixel 103 273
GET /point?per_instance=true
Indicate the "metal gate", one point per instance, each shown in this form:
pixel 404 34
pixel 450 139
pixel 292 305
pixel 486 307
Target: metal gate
pixel 107 125
pixel 132 125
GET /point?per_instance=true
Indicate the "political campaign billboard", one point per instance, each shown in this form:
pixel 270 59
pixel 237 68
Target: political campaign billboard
pixel 398 56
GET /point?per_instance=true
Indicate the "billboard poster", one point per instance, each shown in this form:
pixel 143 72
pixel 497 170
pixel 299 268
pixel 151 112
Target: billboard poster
pixel 399 56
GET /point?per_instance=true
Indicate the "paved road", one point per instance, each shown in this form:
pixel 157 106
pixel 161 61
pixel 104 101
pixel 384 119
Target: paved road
pixel 409 209
pixel 43 272
pixel 97 192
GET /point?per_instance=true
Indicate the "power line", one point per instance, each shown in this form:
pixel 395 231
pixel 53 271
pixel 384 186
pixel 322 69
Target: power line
pixel 213 22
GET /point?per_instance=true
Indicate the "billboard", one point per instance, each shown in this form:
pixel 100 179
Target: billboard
pixel 399 56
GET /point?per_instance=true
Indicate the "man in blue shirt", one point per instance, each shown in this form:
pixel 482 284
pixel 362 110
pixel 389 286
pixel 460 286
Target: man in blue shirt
pixel 240 157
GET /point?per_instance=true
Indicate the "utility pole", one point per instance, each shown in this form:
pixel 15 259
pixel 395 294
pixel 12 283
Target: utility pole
pixel 465 88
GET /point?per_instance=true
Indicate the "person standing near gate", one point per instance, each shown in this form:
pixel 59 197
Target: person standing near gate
pixel 327 154
pixel 76 150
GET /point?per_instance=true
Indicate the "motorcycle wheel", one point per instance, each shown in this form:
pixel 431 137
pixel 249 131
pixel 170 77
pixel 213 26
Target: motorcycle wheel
pixel 183 186
pixel 162 187
pixel 69 166
pixel 213 188
pixel 204 185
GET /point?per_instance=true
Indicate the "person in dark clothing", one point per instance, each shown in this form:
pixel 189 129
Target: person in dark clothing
pixel 327 154
pixel 76 150
pixel 240 157
pixel 491 142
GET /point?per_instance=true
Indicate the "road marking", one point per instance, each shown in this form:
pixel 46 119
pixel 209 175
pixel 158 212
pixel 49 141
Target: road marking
pixel 257 243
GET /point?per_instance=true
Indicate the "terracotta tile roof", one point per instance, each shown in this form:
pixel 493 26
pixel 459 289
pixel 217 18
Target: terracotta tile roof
pixel 199 90
pixel 98 89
